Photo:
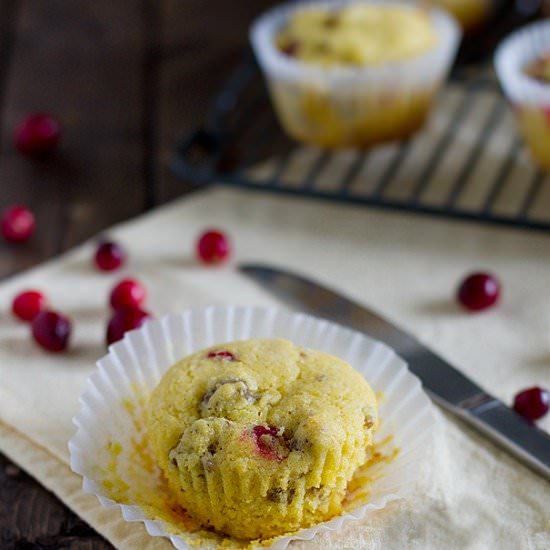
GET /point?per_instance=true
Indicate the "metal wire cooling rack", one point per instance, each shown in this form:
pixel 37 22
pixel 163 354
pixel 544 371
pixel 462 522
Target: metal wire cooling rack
pixel 469 162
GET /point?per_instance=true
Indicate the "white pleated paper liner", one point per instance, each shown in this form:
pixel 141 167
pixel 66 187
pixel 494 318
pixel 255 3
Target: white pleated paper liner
pixel 511 58
pixel 353 106
pixel 108 423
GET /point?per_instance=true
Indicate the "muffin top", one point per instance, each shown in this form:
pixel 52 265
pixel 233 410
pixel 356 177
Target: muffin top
pixel 258 438
pixel 360 34
pixel 257 401
pixel 539 69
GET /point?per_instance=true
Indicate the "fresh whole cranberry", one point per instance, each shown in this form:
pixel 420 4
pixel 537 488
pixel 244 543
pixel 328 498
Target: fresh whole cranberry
pixel 123 320
pixel 109 256
pixel 222 355
pixel 270 444
pixel 38 135
pixel 51 330
pixel 17 224
pixel 479 291
pixel 26 305
pixel 128 293
pixel 532 403
pixel 213 247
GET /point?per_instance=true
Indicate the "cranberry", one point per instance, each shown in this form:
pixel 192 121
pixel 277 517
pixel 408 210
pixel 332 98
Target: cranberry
pixel 222 355
pixel 27 304
pixel 532 403
pixel 109 256
pixel 17 224
pixel 291 49
pixel 51 330
pixel 123 320
pixel 213 247
pixel 37 135
pixel 479 291
pixel 270 444
pixel 128 293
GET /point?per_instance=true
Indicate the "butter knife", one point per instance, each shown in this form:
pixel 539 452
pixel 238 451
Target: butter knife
pixel 447 386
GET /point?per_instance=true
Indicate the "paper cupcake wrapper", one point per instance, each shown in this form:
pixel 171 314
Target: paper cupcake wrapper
pixel 352 106
pixel 511 57
pixel 111 407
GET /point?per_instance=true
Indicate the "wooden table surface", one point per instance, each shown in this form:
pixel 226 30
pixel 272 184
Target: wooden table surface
pixel 126 79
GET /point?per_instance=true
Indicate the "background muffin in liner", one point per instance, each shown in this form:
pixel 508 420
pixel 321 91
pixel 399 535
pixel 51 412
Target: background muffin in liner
pixel 110 447
pixel 343 106
pixel 530 98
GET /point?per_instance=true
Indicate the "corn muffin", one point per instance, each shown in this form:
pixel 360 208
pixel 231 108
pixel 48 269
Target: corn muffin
pixel 354 73
pixel 260 438
pixel 358 35
pixel 522 64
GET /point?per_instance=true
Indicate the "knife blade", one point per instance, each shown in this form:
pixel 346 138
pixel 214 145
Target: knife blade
pixel 447 386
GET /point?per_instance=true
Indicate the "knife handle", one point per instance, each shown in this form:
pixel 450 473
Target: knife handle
pixel 511 431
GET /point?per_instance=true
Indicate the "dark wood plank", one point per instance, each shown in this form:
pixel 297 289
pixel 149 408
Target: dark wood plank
pixel 152 51
pixel 83 62
pixel 200 49
pixel 30 517
pixel 21 181
pixel 8 18
pixel 103 81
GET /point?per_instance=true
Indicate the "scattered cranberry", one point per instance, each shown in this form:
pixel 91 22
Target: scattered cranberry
pixel 51 330
pixel 479 291
pixel 128 293
pixel 26 305
pixel 270 444
pixel 213 247
pixel 222 355
pixel 37 135
pixel 532 403
pixel 17 224
pixel 123 320
pixel 109 256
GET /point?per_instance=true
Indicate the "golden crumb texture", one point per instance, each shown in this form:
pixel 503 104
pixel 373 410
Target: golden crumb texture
pixel 359 34
pixel 260 438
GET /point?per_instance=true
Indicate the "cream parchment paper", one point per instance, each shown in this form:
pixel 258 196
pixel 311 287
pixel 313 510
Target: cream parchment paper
pixel 406 267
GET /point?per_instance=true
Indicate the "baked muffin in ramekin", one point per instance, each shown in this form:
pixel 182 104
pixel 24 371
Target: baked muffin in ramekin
pixel 522 63
pixel 260 438
pixel 354 73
